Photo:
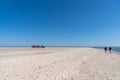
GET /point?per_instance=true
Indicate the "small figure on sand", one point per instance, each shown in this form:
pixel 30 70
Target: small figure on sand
pixel 110 49
pixel 105 49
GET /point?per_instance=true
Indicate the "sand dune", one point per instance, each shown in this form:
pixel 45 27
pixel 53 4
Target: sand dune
pixel 58 64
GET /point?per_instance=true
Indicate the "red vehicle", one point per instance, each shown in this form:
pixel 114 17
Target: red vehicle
pixel 36 46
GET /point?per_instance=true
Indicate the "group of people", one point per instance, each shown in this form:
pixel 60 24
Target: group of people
pixel 110 49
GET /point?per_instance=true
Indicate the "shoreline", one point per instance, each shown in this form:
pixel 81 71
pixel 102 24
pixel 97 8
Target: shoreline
pixel 113 51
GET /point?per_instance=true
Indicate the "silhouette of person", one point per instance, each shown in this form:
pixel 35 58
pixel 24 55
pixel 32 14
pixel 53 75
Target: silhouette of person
pixel 110 49
pixel 105 49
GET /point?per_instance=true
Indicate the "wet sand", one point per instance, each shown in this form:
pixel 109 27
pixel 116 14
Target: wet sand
pixel 58 64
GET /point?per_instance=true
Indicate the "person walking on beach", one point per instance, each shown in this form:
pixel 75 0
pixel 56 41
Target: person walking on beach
pixel 110 49
pixel 105 49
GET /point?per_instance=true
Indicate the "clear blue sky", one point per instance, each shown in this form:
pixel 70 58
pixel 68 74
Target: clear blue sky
pixel 60 22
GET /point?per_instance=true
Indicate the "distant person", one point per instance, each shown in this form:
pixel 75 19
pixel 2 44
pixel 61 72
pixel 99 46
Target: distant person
pixel 105 49
pixel 110 49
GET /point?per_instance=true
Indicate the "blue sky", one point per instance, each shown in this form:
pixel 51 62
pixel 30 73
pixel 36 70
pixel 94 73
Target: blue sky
pixel 60 22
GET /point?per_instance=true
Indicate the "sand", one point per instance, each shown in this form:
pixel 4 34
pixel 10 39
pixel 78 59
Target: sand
pixel 58 64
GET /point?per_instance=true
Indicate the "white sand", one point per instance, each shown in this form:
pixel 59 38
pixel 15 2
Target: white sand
pixel 58 64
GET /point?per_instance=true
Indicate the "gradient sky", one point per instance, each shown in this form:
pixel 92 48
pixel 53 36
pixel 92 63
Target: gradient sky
pixel 60 22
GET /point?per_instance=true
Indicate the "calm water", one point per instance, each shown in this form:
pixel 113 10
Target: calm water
pixel 116 49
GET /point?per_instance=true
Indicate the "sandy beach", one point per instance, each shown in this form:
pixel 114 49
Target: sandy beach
pixel 58 64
